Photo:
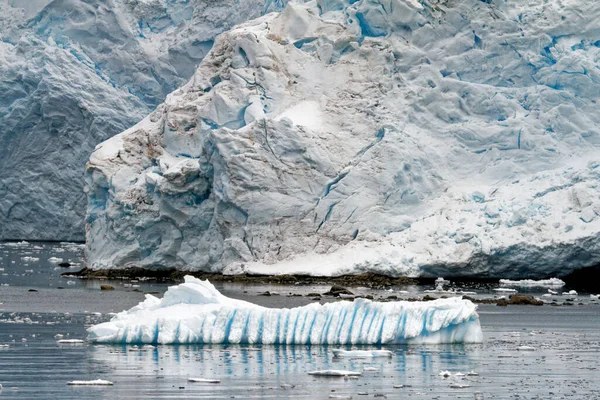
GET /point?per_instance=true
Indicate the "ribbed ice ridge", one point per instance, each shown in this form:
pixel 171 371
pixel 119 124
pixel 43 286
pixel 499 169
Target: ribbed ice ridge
pixel 195 312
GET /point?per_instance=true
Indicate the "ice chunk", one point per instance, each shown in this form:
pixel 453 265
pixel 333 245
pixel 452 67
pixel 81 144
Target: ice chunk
pixel 204 380
pixel 505 290
pixel 552 282
pixel 96 382
pixel 71 341
pixel 55 260
pixel 361 353
pixel 195 312
pixel 570 293
pixel 526 348
pixel 334 372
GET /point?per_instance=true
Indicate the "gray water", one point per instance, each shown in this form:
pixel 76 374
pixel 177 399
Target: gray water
pixel 564 364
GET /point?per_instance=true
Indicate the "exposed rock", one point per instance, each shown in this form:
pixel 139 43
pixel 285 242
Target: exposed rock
pixel 502 302
pixel 524 299
pixel 106 287
pixel 337 290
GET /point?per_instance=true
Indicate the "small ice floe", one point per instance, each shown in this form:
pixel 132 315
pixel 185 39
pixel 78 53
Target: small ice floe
pixel 472 373
pixel 552 282
pixel 459 374
pixel 547 295
pixel 204 380
pixel 96 382
pixel 334 372
pixel 340 396
pixel 570 293
pixel 361 353
pixel 505 290
pixel 4 346
pixel 71 282
pixel 55 260
pixel 595 296
pixel 70 341
pixel 526 348
pixel 59 336
pixel 445 374
pixel 459 386
pixel 550 291
pixel 30 259
pixel 370 369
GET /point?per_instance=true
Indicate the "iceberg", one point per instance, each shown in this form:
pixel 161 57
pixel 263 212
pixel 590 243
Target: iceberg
pixel 406 138
pixel 196 312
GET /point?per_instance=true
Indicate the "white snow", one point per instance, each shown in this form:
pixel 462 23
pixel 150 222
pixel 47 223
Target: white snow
pixel 96 382
pixel 195 312
pixel 552 282
pixel 361 353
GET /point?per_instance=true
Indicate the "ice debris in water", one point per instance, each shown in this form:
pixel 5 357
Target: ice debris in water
pixel 204 380
pixel 196 312
pixel 570 293
pixel 334 372
pixel 71 341
pixel 361 353
pixel 55 260
pixel 552 282
pixel 96 382
pixel 505 290
pixel 526 348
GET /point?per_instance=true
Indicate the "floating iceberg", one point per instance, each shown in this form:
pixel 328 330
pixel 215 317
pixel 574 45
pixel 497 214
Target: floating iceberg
pixel 552 282
pixel 195 312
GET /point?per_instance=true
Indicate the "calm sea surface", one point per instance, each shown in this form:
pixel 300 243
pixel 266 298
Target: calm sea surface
pixel 36 304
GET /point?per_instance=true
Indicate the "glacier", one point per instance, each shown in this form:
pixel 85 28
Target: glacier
pixel 73 73
pixel 403 137
pixel 196 312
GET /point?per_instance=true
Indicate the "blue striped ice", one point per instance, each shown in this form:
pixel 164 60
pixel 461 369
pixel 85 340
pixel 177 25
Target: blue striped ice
pixel 196 312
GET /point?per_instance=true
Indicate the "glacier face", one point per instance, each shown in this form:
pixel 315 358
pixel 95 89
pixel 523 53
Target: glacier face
pixel 195 312
pixel 74 73
pixel 406 137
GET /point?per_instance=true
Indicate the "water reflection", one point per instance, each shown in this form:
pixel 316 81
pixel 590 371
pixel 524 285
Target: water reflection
pixel 254 370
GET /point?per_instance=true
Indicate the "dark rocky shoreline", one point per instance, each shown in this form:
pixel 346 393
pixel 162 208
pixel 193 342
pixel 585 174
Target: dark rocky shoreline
pixel 368 279
pixel 338 284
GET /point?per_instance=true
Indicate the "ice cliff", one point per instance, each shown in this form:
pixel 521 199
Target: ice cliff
pixel 74 73
pixel 195 312
pixel 406 137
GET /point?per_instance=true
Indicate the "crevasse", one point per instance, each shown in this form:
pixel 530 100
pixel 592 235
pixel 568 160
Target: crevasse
pixel 196 312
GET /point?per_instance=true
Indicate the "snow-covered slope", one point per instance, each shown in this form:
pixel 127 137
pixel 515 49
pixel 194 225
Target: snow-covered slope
pixel 409 137
pixel 195 312
pixel 76 72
